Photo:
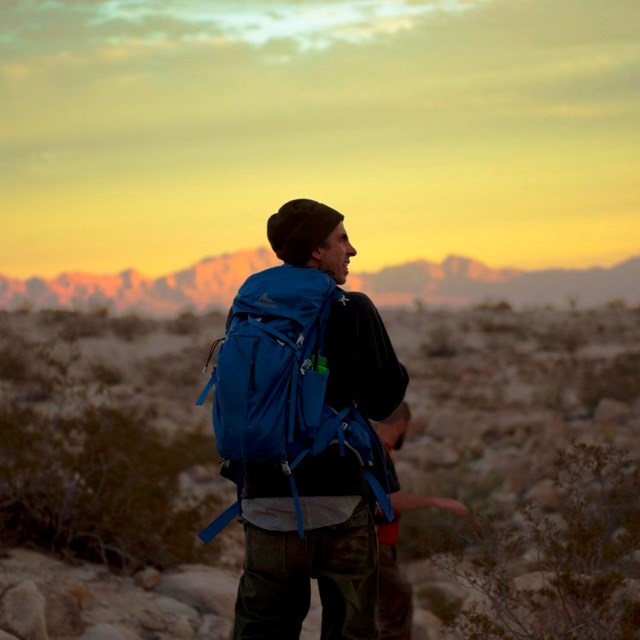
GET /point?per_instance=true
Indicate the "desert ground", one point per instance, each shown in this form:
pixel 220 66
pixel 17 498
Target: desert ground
pixel 496 394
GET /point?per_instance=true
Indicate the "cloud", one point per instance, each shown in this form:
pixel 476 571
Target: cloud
pixel 79 25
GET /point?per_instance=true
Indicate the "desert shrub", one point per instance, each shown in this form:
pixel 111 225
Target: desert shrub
pixel 618 378
pixel 74 325
pixel 181 373
pixel 131 327
pixel 101 486
pixel 439 344
pixel 427 532
pixel 502 321
pixel 616 304
pixel 552 381
pixel 185 323
pixel 579 583
pixel 105 374
pixel 32 369
pixel 15 363
pixel 501 305
pixel 430 531
pixel 563 338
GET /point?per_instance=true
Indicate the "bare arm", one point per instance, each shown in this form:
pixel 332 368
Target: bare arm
pixel 403 501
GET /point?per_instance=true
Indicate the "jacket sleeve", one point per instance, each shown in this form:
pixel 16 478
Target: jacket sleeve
pixel 364 366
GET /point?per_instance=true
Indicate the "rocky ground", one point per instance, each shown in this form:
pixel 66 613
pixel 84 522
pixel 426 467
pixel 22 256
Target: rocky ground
pixel 495 394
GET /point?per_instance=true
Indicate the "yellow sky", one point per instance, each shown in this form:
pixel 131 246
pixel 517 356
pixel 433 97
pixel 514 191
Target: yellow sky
pixel 153 133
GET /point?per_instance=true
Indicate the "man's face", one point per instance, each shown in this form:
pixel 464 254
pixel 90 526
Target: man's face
pixel 333 257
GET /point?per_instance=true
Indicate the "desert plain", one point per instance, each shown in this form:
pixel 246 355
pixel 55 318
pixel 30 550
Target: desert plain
pixel 496 394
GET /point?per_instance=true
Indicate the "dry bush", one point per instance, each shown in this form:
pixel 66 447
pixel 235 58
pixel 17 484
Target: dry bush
pixel 71 326
pixel 185 323
pixel 102 486
pixel 582 584
pixel 14 364
pixel 618 378
pixel 440 343
pixel 567 337
pixel 131 327
pixel 31 369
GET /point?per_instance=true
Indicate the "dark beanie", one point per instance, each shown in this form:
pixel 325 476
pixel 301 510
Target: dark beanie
pixel 299 227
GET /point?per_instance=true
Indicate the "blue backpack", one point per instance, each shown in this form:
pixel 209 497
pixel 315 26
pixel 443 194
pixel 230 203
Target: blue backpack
pixel 270 378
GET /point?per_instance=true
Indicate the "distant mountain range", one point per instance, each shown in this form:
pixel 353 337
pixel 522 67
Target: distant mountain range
pixel 212 283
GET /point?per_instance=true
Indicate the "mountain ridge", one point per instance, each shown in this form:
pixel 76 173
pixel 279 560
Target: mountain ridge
pixel 212 282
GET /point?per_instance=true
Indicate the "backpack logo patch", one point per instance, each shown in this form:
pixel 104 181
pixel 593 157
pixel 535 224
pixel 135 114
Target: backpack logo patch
pixel 265 301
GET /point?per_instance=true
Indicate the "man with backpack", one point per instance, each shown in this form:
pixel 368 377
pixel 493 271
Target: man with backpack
pixel 339 547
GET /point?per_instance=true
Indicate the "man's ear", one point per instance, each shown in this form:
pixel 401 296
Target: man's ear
pixel 316 254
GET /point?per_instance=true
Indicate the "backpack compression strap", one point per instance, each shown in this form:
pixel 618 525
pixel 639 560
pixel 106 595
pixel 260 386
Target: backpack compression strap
pixel 219 523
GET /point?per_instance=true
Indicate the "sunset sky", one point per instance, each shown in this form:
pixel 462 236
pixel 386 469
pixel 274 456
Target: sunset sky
pixel 154 133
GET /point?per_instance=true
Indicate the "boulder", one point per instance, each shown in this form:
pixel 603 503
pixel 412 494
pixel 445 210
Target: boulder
pixel 545 494
pixel 147 578
pixel 214 628
pixel 206 589
pixel 63 613
pixel 23 611
pixel 610 412
pixel 426 626
pixel 107 631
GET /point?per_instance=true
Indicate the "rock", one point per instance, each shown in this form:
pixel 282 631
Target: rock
pixel 147 578
pixel 545 494
pixel 23 611
pixel 534 580
pixel 165 616
pixel 214 628
pixel 106 631
pixel 172 607
pixel 426 626
pixel 441 598
pixel 611 412
pixel 411 479
pixel 21 560
pixel 63 615
pixel 439 454
pixel 152 621
pixel 84 574
pixel 181 628
pixel 82 593
pixel 444 425
pixel 206 589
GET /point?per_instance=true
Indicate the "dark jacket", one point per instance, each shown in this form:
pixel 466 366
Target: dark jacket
pixel 365 371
